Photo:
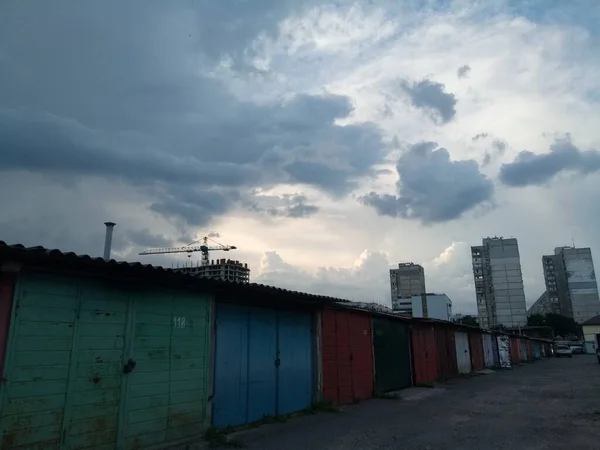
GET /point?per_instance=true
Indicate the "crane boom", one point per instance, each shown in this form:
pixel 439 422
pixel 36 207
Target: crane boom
pixel 158 251
pixel 190 248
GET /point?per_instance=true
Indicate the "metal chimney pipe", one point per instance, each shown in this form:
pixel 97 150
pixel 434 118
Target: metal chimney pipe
pixel 108 239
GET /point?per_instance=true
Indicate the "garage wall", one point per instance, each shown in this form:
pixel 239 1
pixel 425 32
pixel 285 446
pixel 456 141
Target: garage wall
pixel 94 364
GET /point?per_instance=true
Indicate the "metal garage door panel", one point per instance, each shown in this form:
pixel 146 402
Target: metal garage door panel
pixel 166 389
pixel 345 392
pixel 329 355
pixel 446 345
pixel 6 300
pixel 95 394
pixel 361 356
pixel 245 365
pixel 262 357
pixel 38 363
pixel 392 356
pixel 488 350
pixel 295 374
pixel 231 366
pixel 463 356
pixel 66 363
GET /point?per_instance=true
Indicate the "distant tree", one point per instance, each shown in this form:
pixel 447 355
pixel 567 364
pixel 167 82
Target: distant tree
pixel 499 327
pixel 468 320
pixel 536 320
pixel 562 325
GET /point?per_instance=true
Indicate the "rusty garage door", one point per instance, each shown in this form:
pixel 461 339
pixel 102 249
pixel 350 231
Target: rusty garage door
pixel 89 365
pixel 347 354
pixel 476 350
pixel 425 353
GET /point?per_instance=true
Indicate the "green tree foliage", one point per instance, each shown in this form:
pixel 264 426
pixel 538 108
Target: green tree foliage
pixel 468 320
pixel 536 320
pixel 562 325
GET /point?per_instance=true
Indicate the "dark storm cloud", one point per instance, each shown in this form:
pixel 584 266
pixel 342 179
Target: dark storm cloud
pixel 463 71
pixel 530 169
pixel 287 205
pixel 432 187
pixel 130 98
pixel 145 238
pixel 431 97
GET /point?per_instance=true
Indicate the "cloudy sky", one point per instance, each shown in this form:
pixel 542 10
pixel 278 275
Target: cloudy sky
pixel 328 141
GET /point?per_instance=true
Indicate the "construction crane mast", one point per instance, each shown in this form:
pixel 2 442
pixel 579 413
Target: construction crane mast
pixel 204 248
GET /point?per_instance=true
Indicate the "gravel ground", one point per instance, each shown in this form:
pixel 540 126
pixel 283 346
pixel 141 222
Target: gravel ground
pixel 549 404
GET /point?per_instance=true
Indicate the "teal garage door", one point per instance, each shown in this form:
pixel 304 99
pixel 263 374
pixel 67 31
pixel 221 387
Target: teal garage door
pixel 94 366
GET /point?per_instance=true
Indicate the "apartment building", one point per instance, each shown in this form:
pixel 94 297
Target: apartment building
pixel 571 282
pixel 407 280
pixel 499 283
pixel 544 304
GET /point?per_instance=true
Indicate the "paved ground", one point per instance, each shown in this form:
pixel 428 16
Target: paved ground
pixel 549 404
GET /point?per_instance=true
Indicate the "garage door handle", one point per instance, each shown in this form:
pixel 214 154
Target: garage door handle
pixel 277 362
pixel 127 368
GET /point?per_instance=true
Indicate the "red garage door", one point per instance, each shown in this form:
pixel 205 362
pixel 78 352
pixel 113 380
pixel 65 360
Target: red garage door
pixel 347 352
pixel 425 353
pixel 6 298
pixel 477 356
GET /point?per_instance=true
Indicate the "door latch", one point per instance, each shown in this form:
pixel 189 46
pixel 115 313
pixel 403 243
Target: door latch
pixel 127 368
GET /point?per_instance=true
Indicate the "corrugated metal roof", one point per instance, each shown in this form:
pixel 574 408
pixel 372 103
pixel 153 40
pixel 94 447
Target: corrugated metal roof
pixel 41 256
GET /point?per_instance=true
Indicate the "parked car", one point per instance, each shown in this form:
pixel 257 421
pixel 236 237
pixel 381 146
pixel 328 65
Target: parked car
pixel 577 349
pixel 563 350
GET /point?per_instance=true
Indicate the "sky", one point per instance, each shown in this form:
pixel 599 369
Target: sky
pixel 327 141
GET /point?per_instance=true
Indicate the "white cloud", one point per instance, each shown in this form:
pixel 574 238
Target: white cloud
pixel 367 279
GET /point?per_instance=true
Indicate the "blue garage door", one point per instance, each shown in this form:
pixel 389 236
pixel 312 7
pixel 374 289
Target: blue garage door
pixel 295 375
pixel 263 364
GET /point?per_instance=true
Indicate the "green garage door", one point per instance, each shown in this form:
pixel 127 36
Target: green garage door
pixel 93 366
pixel 391 347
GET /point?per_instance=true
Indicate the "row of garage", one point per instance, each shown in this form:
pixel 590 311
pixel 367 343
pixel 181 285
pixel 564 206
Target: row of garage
pixel 100 354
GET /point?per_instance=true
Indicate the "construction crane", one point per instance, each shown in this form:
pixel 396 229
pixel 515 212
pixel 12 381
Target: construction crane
pixel 204 248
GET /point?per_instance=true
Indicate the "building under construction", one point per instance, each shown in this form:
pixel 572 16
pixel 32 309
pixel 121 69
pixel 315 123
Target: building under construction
pixel 222 269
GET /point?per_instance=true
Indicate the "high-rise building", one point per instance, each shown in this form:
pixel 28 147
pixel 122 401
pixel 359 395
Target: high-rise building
pixel 571 282
pixel 407 280
pixel 499 283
